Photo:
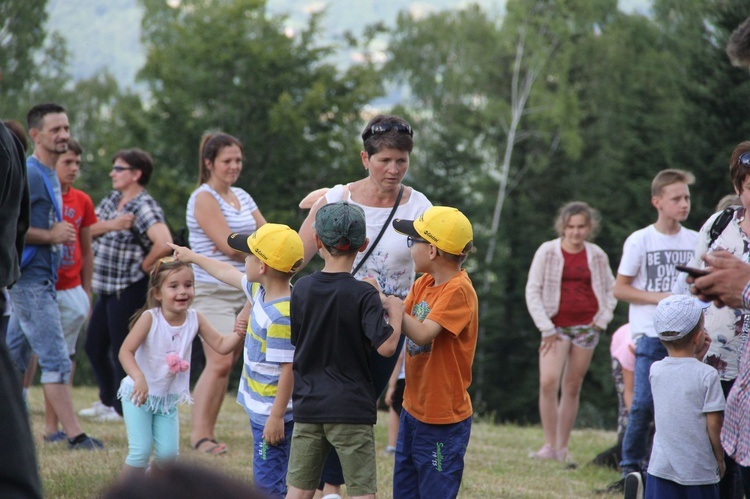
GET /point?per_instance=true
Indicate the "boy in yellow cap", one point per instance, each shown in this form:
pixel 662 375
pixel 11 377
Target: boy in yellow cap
pixel 441 323
pixel 275 253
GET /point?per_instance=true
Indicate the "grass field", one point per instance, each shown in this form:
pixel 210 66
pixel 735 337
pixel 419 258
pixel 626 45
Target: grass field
pixel 496 461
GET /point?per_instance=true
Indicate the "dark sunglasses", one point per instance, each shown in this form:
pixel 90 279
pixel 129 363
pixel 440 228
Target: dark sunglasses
pixel 118 168
pixel 410 241
pixel 379 128
pixel 744 159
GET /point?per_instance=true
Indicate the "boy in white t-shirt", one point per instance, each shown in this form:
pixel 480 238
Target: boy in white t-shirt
pixel 687 458
pixel 645 277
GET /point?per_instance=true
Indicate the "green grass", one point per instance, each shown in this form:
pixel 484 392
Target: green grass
pixel 496 461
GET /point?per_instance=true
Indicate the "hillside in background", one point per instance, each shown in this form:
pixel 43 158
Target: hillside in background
pixel 107 34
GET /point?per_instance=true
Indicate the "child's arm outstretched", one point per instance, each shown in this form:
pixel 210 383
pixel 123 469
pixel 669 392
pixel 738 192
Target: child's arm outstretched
pixel 223 271
pixel 273 431
pixel 713 424
pixel 395 309
pixel 223 344
pixel 133 340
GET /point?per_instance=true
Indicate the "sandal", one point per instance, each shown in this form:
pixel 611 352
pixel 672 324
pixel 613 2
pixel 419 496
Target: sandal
pixel 214 449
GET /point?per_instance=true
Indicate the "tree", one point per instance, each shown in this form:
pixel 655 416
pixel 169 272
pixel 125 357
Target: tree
pixel 228 65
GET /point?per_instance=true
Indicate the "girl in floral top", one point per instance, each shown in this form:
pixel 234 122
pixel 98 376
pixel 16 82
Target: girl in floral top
pixel 154 357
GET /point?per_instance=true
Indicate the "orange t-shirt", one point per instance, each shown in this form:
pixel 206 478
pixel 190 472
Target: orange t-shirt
pixel 438 375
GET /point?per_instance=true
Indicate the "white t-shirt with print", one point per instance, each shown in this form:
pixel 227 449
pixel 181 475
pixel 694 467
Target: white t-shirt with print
pixel 650 258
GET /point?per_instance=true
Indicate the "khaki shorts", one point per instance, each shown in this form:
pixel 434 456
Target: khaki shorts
pixel 220 303
pixel 355 445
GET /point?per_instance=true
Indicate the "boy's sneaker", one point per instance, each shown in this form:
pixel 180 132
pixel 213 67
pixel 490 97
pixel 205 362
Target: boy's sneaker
pixel 109 415
pixel 84 442
pixel 58 436
pixel 634 485
pixel 96 409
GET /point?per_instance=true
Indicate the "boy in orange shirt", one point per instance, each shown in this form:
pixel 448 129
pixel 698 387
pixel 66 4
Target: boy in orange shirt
pixel 441 327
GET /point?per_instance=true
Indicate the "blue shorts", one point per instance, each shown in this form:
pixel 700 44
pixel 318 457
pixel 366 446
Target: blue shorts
pixel 660 488
pixel 429 458
pixel 270 461
pixel 35 326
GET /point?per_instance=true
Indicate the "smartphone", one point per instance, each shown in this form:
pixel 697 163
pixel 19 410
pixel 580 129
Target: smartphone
pixel 692 271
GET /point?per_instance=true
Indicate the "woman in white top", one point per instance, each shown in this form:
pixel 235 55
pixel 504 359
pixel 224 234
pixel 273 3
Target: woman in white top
pixel 215 210
pixel 387 141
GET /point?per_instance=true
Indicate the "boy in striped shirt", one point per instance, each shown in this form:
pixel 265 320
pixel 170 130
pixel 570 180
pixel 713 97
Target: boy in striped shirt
pixel 275 253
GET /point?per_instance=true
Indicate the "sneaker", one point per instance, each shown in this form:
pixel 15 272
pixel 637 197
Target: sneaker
pixel 108 416
pixel 58 436
pixel 634 485
pixel 85 442
pixel 390 450
pixel 96 409
pixel 546 452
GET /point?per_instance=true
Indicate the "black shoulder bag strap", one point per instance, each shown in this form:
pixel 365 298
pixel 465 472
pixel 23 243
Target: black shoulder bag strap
pixel 382 231
pixel 720 224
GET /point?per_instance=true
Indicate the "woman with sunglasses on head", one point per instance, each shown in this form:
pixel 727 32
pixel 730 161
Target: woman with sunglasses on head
pixel 569 296
pixel 729 230
pixel 388 142
pixel 215 210
pixel 130 237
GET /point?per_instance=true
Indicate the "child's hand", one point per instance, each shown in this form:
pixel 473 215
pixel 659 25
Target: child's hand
pixel 240 326
pixel 389 395
pixel 722 468
pixel 140 392
pixel 273 432
pixel 182 253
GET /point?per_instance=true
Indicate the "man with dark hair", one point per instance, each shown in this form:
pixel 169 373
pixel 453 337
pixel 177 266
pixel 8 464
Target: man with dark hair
pixel 35 324
pixel 18 470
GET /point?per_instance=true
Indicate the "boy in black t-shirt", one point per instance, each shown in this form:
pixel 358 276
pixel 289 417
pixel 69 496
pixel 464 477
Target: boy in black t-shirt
pixel 335 321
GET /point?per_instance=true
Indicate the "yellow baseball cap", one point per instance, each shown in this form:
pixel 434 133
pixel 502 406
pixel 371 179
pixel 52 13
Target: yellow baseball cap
pixel 277 245
pixel 446 228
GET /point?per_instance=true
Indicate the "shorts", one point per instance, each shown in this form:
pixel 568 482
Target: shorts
pixel 355 445
pixel 584 336
pixel 661 488
pixel 220 303
pixel 35 326
pixel 74 307
pixel 398 396
pixel 270 461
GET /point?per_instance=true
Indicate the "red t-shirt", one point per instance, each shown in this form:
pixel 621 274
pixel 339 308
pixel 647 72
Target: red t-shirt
pixel 578 304
pixel 438 375
pixel 78 209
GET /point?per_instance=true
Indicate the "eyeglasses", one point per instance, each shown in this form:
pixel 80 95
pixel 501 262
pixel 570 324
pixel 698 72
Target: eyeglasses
pixel 379 128
pixel 119 169
pixel 744 159
pixel 410 241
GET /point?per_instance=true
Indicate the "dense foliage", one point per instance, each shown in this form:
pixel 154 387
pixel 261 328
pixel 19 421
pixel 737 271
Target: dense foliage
pixel 612 98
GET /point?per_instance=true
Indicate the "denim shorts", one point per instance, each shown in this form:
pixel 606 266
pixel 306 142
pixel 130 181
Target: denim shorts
pixel 35 326
pixel 74 306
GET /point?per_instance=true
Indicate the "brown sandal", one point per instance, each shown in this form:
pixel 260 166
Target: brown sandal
pixel 215 449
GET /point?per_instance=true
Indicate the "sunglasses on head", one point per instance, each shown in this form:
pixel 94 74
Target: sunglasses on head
pixel 744 159
pixel 118 168
pixel 379 128
pixel 160 262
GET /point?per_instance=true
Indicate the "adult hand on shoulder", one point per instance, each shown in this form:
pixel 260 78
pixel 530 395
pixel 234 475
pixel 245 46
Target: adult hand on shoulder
pixel 725 282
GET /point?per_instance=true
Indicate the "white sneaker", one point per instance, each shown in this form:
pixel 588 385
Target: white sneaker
pixel 96 409
pixel 109 415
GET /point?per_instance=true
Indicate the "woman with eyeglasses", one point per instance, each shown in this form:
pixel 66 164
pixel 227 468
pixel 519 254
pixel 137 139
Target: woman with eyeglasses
pixel 215 210
pixel 130 237
pixel 569 296
pixel 387 143
pixel 729 230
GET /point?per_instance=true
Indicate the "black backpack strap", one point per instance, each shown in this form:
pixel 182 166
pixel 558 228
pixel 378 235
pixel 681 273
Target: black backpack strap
pixel 720 224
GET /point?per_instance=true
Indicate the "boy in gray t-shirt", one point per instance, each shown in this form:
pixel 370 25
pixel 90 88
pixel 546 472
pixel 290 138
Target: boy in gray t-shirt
pixel 688 405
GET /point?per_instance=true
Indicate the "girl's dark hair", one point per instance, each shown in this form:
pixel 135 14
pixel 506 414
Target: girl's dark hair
pixel 161 270
pixel 138 159
pixel 211 145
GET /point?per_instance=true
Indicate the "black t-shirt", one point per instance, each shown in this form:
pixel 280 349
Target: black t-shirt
pixel 336 321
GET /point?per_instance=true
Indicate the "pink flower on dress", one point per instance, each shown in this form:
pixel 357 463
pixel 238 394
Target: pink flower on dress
pixel 176 364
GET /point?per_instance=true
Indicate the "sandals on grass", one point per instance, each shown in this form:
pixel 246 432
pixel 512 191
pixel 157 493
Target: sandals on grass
pixel 215 448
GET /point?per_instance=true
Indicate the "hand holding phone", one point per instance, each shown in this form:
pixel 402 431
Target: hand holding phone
pixel 692 271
